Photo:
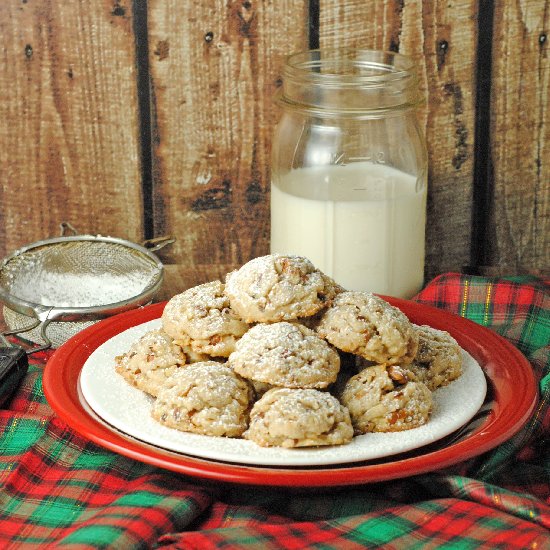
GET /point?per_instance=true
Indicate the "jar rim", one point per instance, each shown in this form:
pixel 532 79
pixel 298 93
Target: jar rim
pixel 349 67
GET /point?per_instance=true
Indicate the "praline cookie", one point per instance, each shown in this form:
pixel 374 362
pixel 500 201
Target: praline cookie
pixel 205 398
pixel 286 355
pixel 150 361
pixel 438 360
pixel 278 288
pixel 382 399
pixel 202 319
pixel 290 418
pixel 366 325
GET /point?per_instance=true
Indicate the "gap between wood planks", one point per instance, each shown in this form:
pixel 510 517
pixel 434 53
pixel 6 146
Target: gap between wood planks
pixel 144 106
pixel 483 187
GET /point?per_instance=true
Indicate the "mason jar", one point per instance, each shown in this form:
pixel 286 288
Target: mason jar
pixel 349 169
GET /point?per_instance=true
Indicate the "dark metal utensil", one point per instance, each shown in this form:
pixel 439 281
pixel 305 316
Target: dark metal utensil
pixel 13 367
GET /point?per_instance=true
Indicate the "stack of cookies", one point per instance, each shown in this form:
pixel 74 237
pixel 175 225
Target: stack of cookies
pixel 283 356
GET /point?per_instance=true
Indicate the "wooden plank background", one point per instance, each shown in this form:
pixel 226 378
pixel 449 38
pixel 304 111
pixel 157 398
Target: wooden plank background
pixel 69 135
pixel 518 205
pixel 150 117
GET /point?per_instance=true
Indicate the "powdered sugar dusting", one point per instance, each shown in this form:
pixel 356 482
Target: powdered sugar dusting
pixel 276 288
pixel 299 418
pixel 77 290
pixel 206 398
pixel 285 354
pixel 202 318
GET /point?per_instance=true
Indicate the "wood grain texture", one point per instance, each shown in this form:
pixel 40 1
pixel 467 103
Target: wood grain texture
pixel 68 120
pixel 214 70
pixel 178 277
pixel 441 37
pixel 520 137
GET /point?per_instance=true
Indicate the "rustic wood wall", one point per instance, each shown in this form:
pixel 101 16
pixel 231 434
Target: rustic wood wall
pixel 152 117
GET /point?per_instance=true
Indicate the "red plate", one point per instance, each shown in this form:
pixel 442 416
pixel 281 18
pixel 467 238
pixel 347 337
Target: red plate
pixel 512 396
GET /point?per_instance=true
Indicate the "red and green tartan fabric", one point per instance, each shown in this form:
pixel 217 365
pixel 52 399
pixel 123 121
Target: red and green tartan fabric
pixel 59 490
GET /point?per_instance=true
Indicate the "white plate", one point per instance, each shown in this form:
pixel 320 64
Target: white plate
pixel 128 409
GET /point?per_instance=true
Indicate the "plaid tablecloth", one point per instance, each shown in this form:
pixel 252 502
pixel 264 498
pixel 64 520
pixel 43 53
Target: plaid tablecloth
pixel 58 489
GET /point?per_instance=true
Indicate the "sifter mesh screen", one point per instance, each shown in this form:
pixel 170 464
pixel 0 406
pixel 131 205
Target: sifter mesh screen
pixel 78 274
pixel 75 272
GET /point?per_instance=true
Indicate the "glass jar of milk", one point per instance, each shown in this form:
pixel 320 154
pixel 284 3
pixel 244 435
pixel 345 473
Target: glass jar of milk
pixel 349 169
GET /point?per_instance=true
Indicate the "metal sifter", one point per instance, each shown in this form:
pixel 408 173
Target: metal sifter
pixel 54 288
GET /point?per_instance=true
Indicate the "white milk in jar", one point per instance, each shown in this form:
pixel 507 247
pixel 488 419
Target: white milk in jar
pixel 349 169
pixel 361 223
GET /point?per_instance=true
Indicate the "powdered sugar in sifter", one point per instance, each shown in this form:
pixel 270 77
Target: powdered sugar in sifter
pixel 54 288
